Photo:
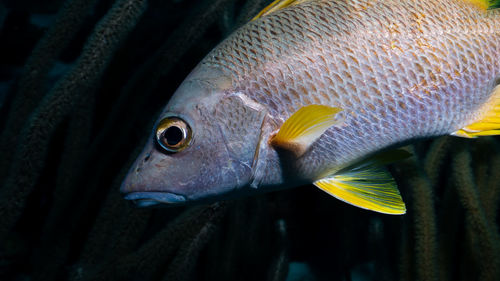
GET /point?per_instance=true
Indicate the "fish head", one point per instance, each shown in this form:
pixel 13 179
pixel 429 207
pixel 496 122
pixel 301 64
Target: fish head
pixel 204 146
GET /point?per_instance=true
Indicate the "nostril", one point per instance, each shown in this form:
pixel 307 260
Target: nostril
pixel 147 157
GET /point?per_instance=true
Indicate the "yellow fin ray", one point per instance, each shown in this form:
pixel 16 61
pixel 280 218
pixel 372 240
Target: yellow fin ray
pixel 304 127
pixel 371 188
pixel 489 124
pixel 487 133
pixel 277 5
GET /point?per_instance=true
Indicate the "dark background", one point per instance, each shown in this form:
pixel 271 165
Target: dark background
pixel 81 83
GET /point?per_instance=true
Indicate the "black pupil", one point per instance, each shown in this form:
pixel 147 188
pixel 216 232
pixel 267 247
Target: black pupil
pixel 173 135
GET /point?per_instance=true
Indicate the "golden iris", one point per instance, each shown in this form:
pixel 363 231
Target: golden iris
pixel 173 134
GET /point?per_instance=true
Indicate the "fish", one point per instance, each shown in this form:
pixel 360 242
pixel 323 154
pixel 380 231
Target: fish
pixel 324 92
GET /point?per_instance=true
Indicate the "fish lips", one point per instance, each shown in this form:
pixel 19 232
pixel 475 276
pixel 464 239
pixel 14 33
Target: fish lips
pixel 148 199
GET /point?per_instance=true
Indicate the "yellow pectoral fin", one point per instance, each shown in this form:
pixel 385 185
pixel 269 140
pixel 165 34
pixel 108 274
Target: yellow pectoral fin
pixel 372 189
pixel 489 124
pixel 304 127
pixel 277 5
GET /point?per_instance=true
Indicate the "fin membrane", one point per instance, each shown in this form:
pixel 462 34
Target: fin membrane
pixel 489 125
pixel 371 188
pixel 277 5
pixel 486 4
pixel 304 127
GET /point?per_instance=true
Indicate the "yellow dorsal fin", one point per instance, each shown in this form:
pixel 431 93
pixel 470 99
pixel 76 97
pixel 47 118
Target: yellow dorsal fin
pixel 485 4
pixel 489 124
pixel 371 188
pixel 277 5
pixel 304 127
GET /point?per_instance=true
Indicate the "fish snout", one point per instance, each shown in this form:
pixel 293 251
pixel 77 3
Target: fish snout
pixel 145 185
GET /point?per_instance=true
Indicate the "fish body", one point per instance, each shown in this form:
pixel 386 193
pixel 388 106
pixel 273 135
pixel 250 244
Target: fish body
pixel 395 70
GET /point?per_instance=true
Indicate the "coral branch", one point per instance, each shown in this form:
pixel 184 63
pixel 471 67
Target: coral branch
pixel 435 158
pixel 64 97
pixel 31 86
pixel 194 227
pixel 477 224
pixel 424 218
pixel 279 268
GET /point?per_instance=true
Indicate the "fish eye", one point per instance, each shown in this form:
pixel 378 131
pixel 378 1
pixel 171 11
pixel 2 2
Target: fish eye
pixel 173 134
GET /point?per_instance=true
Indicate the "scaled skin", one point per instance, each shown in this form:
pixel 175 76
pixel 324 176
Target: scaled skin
pixel 400 70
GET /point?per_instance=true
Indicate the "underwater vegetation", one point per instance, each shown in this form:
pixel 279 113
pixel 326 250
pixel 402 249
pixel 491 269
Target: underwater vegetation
pixel 81 84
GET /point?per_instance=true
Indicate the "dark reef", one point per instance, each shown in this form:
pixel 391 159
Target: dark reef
pixel 81 82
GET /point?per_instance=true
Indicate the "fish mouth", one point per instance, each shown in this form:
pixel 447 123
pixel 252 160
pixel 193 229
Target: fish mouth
pixel 148 199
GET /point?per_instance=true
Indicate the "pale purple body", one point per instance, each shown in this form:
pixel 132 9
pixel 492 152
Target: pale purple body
pixel 399 70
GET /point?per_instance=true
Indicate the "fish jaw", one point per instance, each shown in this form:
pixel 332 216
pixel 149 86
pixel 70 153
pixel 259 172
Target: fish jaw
pixel 148 199
pixel 143 184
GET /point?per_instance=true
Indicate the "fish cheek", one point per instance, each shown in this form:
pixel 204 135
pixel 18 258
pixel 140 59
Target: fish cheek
pixel 240 121
pixel 201 170
pixel 221 156
pixel 226 139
